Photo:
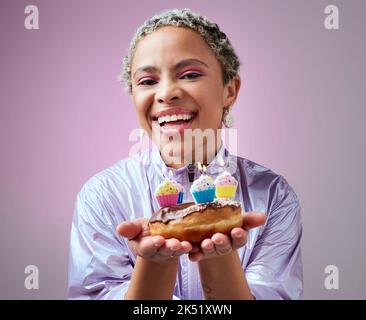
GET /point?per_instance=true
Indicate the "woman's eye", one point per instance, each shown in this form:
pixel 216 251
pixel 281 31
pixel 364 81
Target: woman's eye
pixel 191 75
pixel 147 82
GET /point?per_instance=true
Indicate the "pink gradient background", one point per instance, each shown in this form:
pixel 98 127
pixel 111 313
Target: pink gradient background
pixel 64 117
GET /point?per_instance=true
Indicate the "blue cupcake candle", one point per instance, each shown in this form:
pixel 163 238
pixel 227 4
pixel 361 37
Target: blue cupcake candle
pixel 203 189
pixel 180 190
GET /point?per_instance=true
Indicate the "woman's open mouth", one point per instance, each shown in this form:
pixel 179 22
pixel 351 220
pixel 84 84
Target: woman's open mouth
pixel 174 123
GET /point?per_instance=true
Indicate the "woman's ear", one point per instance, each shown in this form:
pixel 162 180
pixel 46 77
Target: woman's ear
pixel 231 91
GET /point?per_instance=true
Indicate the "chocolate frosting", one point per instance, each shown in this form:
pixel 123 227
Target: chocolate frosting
pixel 180 211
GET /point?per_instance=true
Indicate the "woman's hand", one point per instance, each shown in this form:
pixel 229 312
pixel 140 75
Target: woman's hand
pixel 220 244
pixel 153 248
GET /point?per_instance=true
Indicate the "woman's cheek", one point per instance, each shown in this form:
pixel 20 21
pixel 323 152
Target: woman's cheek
pixel 142 105
pixel 142 114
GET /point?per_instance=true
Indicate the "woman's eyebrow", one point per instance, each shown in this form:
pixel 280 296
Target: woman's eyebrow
pixel 189 62
pixel 181 64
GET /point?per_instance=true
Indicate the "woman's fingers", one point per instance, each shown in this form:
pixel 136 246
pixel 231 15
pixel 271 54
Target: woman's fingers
pixel 238 238
pixel 148 246
pixel 219 244
pixel 207 245
pixel 253 220
pixel 207 250
pixel 128 229
pixel 186 246
pixel 151 247
pixel 132 229
pixel 158 248
pixel 170 248
pixel 173 248
pixel 222 243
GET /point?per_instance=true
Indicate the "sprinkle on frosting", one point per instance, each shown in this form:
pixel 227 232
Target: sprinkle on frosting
pixel 204 182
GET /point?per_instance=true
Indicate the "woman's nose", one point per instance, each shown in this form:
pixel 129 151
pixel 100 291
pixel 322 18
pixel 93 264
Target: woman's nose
pixel 168 92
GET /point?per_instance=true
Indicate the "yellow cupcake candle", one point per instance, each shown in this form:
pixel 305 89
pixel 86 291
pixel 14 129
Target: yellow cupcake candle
pixel 225 184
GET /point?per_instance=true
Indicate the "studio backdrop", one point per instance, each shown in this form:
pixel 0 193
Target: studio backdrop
pixel 64 116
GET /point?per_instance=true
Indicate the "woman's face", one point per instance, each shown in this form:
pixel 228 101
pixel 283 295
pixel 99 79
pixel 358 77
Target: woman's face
pixel 177 83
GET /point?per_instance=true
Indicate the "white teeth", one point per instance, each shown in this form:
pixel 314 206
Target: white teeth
pixel 174 117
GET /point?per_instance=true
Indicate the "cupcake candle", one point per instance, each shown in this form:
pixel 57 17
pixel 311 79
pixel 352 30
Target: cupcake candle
pixel 225 183
pixel 226 186
pixel 167 193
pixel 203 189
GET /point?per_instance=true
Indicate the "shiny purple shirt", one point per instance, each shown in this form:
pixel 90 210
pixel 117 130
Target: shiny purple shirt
pixel 101 262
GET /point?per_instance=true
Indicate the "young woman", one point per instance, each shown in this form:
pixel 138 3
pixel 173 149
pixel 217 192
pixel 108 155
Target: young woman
pixel 181 65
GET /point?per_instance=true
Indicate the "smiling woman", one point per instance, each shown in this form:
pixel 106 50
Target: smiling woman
pixel 182 74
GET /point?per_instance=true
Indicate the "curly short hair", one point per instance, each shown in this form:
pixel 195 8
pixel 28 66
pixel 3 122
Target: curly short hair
pixel 210 32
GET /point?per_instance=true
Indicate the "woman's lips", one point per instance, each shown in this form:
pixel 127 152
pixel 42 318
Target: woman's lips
pixel 171 111
pixel 175 127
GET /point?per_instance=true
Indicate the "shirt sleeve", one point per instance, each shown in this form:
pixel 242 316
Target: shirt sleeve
pixel 100 266
pixel 274 270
